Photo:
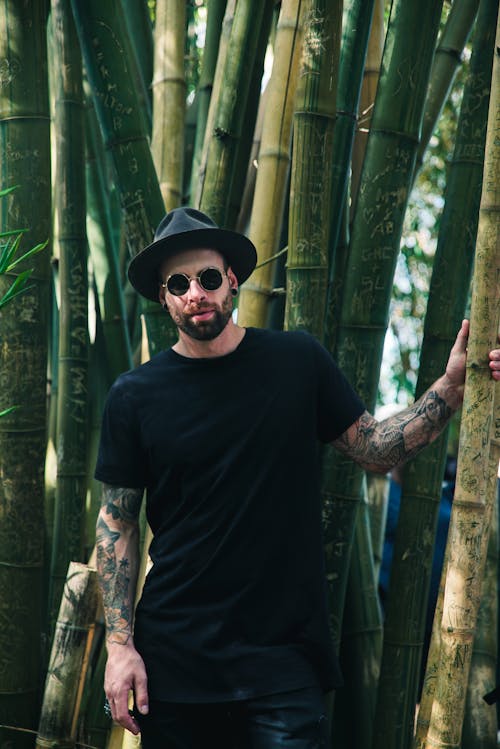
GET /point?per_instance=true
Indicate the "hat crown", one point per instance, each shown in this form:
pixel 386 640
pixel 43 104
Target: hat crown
pixel 181 220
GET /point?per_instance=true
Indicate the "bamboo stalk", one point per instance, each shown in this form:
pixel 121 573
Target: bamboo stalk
pixel 215 15
pixel 229 108
pixel 480 722
pixel 250 119
pixel 104 253
pixel 422 482
pixel 169 99
pixel 367 98
pixel 110 62
pixel 356 32
pixel 273 162
pixel 433 660
pixel 447 59
pixel 69 658
pixel 361 643
pixel 311 180
pixel 71 239
pixel 374 247
pixel 138 20
pixel 25 161
pixel 468 523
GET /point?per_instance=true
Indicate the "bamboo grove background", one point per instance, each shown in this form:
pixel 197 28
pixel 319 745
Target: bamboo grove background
pixel 112 112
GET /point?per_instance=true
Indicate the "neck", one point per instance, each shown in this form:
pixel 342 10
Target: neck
pixel 225 343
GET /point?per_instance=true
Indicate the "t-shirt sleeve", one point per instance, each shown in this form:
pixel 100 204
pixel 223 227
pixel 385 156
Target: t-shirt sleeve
pixel 120 460
pixel 338 404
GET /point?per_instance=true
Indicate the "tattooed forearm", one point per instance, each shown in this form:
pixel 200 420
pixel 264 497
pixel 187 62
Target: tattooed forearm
pixel 379 446
pixel 117 558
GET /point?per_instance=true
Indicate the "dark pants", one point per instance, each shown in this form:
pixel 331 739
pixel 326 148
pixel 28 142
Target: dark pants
pixel 295 720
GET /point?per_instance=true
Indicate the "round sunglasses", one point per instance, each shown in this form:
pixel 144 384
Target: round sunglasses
pixel 210 279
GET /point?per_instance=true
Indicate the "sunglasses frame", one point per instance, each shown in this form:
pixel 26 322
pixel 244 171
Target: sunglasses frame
pixel 194 278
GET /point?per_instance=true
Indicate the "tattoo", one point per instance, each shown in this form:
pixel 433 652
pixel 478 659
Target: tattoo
pixel 121 503
pixel 379 446
pixel 116 540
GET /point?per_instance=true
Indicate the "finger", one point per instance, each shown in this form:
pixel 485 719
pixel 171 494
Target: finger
pixel 141 694
pixel 460 344
pixel 122 715
pixel 495 364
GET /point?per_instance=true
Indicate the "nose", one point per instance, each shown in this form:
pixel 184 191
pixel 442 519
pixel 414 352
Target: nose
pixel 196 292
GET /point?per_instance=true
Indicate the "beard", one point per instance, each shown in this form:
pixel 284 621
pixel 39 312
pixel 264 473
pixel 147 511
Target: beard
pixel 203 330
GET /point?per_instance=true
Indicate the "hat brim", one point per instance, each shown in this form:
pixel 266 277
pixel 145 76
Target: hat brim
pixel 143 271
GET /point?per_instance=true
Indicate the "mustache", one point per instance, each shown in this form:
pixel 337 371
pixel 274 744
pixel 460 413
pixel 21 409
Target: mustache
pixel 193 309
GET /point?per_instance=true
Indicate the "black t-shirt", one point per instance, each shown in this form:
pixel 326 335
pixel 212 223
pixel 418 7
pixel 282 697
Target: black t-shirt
pixel 227 449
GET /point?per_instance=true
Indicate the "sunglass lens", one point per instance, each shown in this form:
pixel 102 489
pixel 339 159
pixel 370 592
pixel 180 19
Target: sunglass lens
pixel 178 284
pixel 211 279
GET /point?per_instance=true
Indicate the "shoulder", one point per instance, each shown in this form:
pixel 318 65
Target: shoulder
pixel 145 373
pixel 290 340
pixel 140 380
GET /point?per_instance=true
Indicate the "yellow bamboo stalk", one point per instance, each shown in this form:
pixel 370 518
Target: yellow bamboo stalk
pixel 69 658
pixel 169 99
pixel 367 96
pixel 432 667
pixel 467 550
pixel 273 162
pixel 480 720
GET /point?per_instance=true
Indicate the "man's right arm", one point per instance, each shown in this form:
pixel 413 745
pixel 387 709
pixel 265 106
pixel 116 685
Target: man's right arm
pixel 117 544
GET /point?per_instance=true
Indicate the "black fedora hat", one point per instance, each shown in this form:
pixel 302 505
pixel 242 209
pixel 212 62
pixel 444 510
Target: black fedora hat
pixel 183 229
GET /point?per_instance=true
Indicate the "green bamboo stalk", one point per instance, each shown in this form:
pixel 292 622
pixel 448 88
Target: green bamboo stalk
pixel 100 380
pixel 468 523
pixel 356 31
pixel 110 63
pixel 69 659
pixel 169 99
pixel 24 161
pixel 51 454
pixel 413 548
pixel 480 721
pixel 250 118
pixel 218 83
pixel 215 15
pixel 229 109
pixel 447 59
pixel 374 246
pixel 189 139
pixel 71 241
pixel 138 20
pixel 274 162
pixel 243 221
pixel 95 721
pixel 361 643
pixel 104 253
pixel 377 496
pixel 367 98
pixel 311 180
pixel 355 35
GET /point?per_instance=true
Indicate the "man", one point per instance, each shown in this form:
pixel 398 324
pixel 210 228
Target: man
pixel 230 645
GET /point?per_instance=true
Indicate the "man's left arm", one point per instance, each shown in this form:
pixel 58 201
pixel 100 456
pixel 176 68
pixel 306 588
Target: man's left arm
pixel 378 446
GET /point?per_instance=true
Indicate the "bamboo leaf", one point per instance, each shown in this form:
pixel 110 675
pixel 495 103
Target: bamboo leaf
pixel 8 411
pixel 8 252
pixel 12 232
pixel 8 190
pixel 34 251
pixel 18 287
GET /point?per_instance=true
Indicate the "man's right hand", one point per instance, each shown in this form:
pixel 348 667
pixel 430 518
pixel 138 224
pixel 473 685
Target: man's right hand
pixel 125 672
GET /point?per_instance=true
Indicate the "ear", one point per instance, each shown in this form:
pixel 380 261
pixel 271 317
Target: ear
pixel 233 281
pixel 161 294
